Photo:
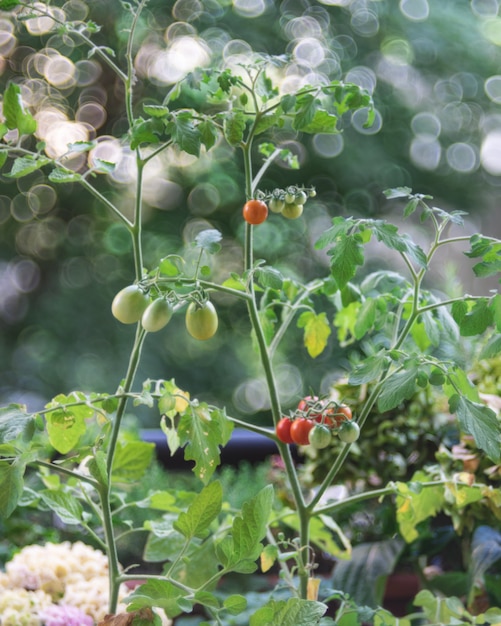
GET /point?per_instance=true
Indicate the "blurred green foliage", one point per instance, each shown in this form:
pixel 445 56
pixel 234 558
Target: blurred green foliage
pixel 432 69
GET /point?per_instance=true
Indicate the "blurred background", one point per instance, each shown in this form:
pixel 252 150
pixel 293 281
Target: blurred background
pixel 434 70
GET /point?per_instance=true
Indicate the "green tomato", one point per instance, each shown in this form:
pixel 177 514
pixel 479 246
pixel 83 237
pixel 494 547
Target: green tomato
pixel 129 304
pixel 201 320
pixel 292 210
pixel 290 196
pixel 156 315
pixel 300 197
pixel 320 436
pixel 276 205
pixel 349 432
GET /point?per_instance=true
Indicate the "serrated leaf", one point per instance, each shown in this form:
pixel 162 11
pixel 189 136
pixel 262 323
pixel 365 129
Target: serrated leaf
pixel 81 146
pixel 234 127
pixel 369 370
pixel 291 612
pixel 11 486
pixel 157 593
pixel 15 423
pixel 23 166
pixel 417 504
pixel 388 235
pixel 202 511
pixel 203 436
pixel 62 175
pixel 16 116
pixel 481 422
pixel 242 547
pixel 65 426
pixel 97 467
pixel 208 133
pixel 269 277
pixel 131 460
pixel 473 320
pixel 366 318
pixel 346 256
pixel 105 167
pixel 64 505
pixel 398 387
pixel 316 331
pixel 496 311
pixel 235 604
pixel 155 110
pixel 321 122
pixel 209 240
pixel 305 107
pixel 269 121
pixel 185 133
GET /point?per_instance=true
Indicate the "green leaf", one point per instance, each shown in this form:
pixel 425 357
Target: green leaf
pixel 105 167
pixel 305 108
pixel 97 468
pixel 64 505
pixel 208 133
pixel 209 240
pixel 11 486
pixel 62 175
pixel 473 319
pixel 243 546
pixel 3 154
pixel 235 604
pixel 157 593
pixel 364 575
pixel 316 331
pixel 481 422
pixel 397 192
pixel 490 251
pixel 155 110
pixel 366 317
pixel 203 431
pixel 66 424
pixel 23 166
pixel 397 388
pixel 346 255
pixel 81 146
pixel 321 122
pixel 415 504
pixel 201 512
pixel 145 132
pixel 291 612
pixel 131 460
pixel 16 117
pixel 388 235
pixel 234 127
pixel 369 370
pixel 269 120
pixel 16 423
pixel 185 133
pixel 496 311
pixel 270 277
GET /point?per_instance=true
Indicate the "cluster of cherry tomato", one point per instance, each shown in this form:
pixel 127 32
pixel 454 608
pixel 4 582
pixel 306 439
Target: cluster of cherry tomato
pixel 316 421
pixel 132 304
pixel 288 202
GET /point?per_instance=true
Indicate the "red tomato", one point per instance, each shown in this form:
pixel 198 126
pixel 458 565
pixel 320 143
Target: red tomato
pixel 300 429
pixel 284 430
pixel 255 211
pixel 339 414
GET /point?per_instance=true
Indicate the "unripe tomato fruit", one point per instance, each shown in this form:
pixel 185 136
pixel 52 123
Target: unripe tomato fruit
pixel 349 432
pixel 156 315
pixel 276 205
pixel 201 320
pixel 320 436
pixel 283 430
pixel 255 211
pixel 292 210
pixel 129 304
pixel 300 429
pixel 300 197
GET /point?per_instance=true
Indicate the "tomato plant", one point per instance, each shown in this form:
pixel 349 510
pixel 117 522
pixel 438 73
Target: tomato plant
pixel 129 304
pixel 292 210
pixel 255 211
pixel 300 429
pixel 320 436
pixel 283 430
pixel 339 414
pixel 201 320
